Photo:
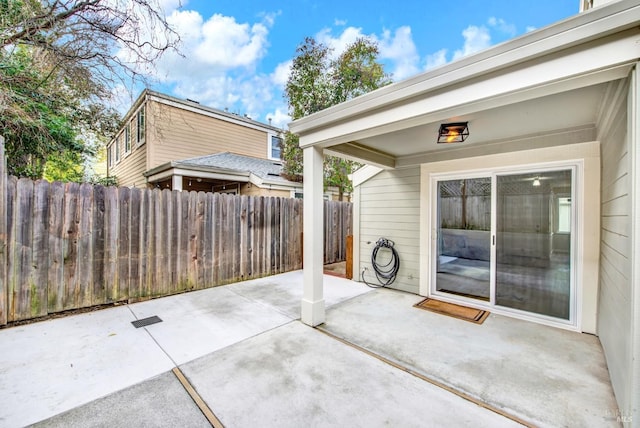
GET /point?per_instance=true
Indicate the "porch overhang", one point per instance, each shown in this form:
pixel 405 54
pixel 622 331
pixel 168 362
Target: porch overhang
pixel 171 170
pixel 549 83
pixel 166 171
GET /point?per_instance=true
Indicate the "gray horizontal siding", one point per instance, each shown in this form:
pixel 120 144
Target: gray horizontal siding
pixel 614 304
pixel 390 208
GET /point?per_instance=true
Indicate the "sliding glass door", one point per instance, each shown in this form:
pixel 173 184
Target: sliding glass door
pixel 533 236
pixel 464 237
pixel 504 239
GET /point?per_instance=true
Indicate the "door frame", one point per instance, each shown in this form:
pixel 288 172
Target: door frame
pixel 577 167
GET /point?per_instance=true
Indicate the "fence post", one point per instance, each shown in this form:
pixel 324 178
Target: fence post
pixel 3 234
pixel 349 258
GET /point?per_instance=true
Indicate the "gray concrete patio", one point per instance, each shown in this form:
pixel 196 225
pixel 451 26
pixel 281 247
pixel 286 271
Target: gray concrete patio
pixel 253 363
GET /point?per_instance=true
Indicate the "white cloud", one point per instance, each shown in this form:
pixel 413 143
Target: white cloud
pixel 475 39
pixel 436 59
pixel 212 47
pixel 340 22
pixel 401 50
pixel 279 117
pixel 502 26
pixel 338 44
pixel 224 43
pixel 530 28
pixel 397 49
pixel 281 74
pixel 219 60
pixel 169 6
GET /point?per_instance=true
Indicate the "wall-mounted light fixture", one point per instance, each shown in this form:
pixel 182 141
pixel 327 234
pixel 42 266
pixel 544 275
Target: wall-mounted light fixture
pixel 536 181
pixel 453 132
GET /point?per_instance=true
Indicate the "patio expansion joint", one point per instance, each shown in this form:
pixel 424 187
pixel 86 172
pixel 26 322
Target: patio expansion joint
pixel 197 399
pixel 430 380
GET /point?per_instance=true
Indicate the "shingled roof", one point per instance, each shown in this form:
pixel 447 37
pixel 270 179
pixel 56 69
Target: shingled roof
pixel 268 170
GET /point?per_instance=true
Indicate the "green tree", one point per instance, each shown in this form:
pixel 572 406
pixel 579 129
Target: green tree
pixel 318 81
pixel 58 60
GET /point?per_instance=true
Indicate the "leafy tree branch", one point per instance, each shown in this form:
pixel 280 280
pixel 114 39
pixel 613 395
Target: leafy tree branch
pixel 318 81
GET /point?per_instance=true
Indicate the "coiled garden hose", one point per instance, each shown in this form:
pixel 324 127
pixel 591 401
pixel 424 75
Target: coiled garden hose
pixel 385 272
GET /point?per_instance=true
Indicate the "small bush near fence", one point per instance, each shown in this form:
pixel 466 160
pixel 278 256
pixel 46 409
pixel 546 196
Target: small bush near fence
pixel 70 246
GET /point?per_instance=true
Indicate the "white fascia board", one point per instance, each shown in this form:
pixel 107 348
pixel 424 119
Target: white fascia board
pixel 239 177
pixel 574 68
pixel 273 185
pixel 365 173
pixel 571 32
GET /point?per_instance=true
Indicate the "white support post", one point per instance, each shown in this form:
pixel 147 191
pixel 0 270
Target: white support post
pixel 631 416
pixel 313 311
pixel 176 182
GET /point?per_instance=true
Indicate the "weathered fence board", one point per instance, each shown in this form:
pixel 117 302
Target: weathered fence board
pixel 99 295
pixel 55 278
pixel 40 248
pixel 21 300
pixel 337 226
pixel 12 260
pixel 111 226
pixel 85 246
pixel 69 246
pixel 134 243
pixel 3 234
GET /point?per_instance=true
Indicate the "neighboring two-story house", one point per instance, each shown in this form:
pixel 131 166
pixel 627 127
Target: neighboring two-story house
pixel 167 142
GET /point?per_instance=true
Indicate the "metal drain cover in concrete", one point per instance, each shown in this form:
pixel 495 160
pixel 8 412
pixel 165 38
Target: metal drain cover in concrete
pixel 146 321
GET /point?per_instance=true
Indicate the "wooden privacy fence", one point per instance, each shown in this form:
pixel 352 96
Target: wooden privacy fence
pixel 66 246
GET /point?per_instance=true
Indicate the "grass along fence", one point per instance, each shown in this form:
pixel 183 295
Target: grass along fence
pixel 66 246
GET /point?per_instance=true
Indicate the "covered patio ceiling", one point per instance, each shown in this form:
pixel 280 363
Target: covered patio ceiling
pixel 554 114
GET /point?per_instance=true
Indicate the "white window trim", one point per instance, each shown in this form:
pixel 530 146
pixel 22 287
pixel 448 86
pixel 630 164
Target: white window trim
pixel 579 269
pixel 124 133
pixel 117 151
pixel 269 137
pixel 140 141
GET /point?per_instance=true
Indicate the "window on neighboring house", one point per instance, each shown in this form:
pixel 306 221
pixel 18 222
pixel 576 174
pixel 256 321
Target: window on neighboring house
pixel 110 155
pixel 117 147
pixel 140 126
pixel 275 147
pixel 127 138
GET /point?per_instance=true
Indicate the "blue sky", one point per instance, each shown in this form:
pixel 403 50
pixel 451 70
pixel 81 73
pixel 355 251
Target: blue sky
pixel 237 53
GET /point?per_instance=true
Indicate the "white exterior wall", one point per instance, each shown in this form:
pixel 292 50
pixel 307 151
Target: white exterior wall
pixel 616 285
pixel 389 207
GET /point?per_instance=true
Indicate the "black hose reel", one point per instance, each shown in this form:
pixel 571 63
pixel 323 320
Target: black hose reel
pixel 385 261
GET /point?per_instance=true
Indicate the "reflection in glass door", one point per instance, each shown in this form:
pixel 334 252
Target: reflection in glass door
pixel 464 237
pixel 533 242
